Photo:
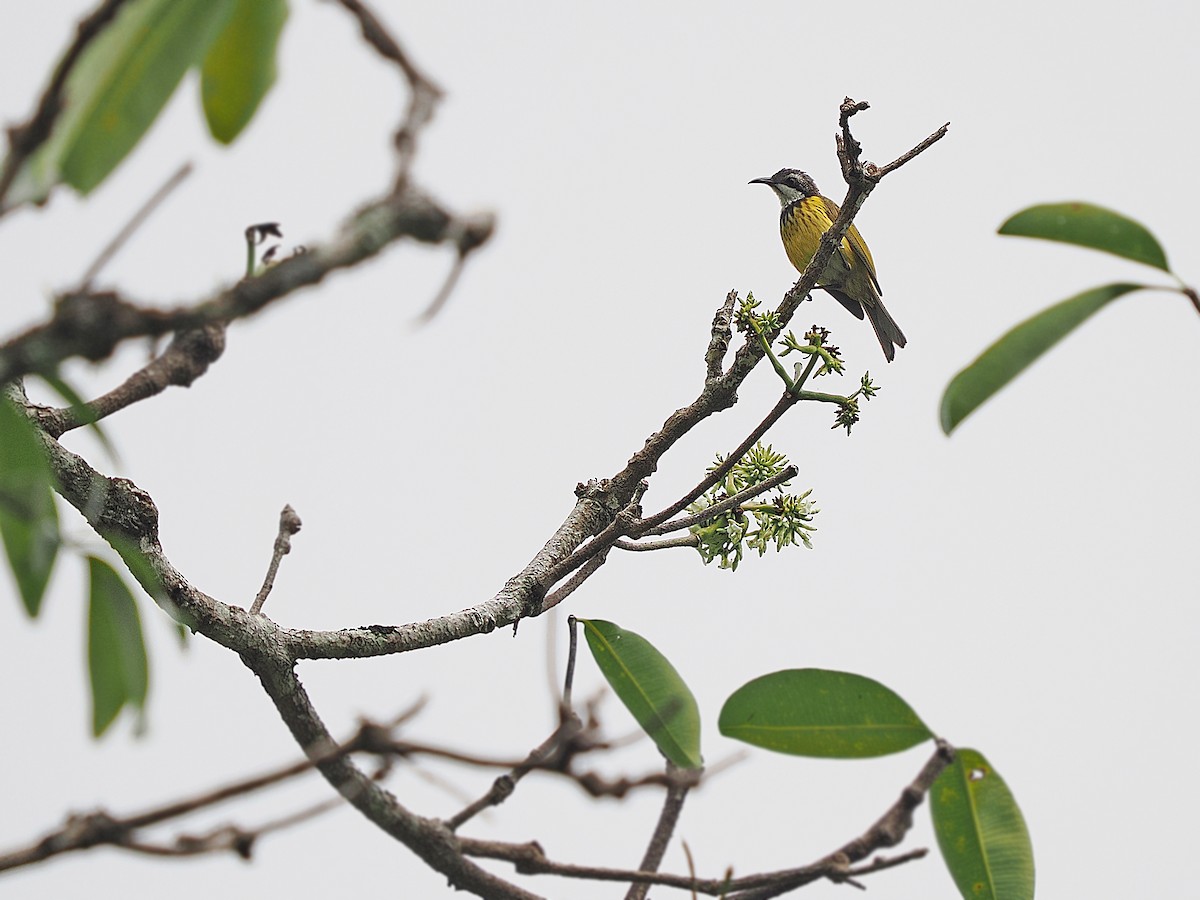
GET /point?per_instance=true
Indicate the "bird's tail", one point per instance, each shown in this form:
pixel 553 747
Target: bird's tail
pixel 889 333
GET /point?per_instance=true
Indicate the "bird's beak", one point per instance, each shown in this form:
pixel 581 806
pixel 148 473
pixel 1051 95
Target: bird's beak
pixel 767 180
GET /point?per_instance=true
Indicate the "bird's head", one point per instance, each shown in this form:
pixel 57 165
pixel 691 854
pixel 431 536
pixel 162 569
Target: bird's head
pixel 789 185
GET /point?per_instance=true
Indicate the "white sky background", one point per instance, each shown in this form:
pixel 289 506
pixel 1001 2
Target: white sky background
pixel 1027 585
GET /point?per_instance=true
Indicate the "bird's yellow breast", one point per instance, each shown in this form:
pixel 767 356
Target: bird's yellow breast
pixel 801 226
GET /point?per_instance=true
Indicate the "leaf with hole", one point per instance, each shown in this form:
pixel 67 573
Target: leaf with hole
pixel 239 67
pixel 1020 347
pixel 650 688
pixel 823 713
pixel 117 663
pixel 981 832
pixel 28 515
pixel 1087 225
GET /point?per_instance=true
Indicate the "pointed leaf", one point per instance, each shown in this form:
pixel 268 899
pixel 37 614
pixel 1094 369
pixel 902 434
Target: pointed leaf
pixel 116 652
pixel 817 712
pixel 1006 358
pixel 1089 226
pixel 145 575
pixel 28 516
pixel 981 832
pixel 114 93
pixel 650 688
pixel 239 67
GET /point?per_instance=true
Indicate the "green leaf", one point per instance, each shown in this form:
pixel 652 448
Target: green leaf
pixel 817 712
pixel 145 575
pixel 1007 357
pixel 1089 226
pixel 28 516
pixel 981 832
pixel 239 67
pixel 116 652
pixel 117 89
pixel 650 688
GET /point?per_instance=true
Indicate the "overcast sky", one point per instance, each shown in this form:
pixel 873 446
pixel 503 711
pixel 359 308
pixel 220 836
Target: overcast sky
pixel 1029 585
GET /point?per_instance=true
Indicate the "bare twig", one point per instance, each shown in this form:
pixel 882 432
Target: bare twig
pixel 530 858
pixel 683 540
pixel 572 649
pixel 186 358
pixel 574 582
pixel 135 222
pixel 888 831
pixel 657 848
pixel 914 152
pixel 569 726
pixel 423 93
pixel 439 300
pixel 289 524
pixel 468 242
pixel 83 831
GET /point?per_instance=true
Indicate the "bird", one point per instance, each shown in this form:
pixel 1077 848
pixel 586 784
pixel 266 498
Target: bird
pixel 850 273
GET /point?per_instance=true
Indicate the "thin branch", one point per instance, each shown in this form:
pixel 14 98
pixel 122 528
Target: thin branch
pixel 914 152
pixel 423 93
pixel 650 523
pixel 186 358
pixel 502 788
pixel 135 222
pixel 91 325
pixel 289 524
pixel 439 300
pixel 24 140
pixel 467 243
pixel 574 582
pixel 530 858
pixel 723 506
pixel 430 840
pixel 83 831
pixel 572 650
pixel 661 838
pixel 888 831
pixel 683 540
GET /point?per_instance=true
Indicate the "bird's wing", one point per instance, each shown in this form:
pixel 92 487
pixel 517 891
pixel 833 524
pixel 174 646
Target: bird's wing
pixel 857 246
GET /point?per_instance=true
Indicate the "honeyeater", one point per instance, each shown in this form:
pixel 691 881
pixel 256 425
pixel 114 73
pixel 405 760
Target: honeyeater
pixel 850 273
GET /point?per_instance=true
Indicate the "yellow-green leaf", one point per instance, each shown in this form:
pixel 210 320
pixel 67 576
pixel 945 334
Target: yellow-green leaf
pixel 981 831
pixel 650 688
pixel 117 89
pixel 1087 225
pixel 116 652
pixel 818 712
pixel 239 67
pixel 28 516
pixel 1018 348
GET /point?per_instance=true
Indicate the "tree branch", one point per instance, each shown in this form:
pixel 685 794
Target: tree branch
pixel 667 819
